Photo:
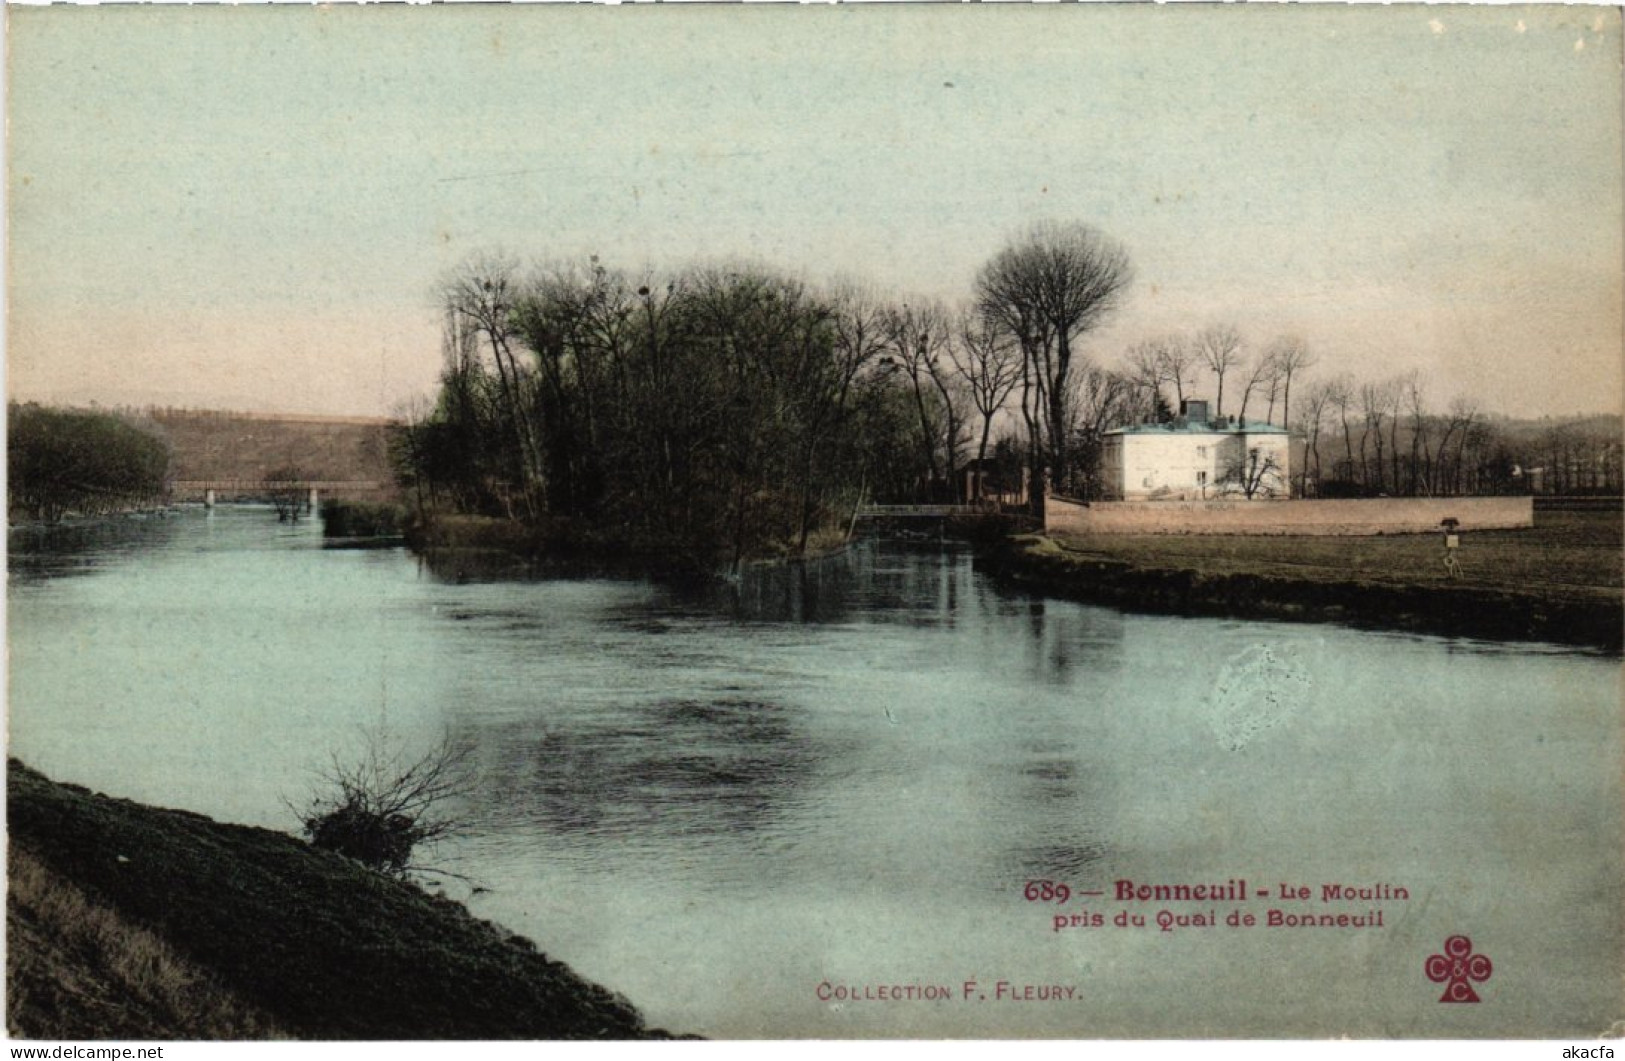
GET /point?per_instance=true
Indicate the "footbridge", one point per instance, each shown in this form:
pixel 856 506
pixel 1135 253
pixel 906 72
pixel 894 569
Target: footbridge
pixel 211 490
pixel 913 520
pixel 917 511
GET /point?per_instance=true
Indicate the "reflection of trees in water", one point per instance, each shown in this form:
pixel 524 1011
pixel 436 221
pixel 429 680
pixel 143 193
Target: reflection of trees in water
pixel 882 582
pixel 1068 640
pixel 40 552
pixel 718 772
pixel 879 581
pixel 675 767
pixel 811 591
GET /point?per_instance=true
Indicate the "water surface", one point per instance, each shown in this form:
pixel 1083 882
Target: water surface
pixel 716 801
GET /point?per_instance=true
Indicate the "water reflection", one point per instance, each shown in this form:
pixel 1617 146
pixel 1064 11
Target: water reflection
pixel 39 552
pixel 678 768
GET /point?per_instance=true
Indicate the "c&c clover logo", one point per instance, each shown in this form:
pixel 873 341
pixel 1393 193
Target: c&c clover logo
pixel 1456 968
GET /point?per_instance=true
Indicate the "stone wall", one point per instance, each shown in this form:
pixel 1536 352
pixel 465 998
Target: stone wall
pixel 1351 517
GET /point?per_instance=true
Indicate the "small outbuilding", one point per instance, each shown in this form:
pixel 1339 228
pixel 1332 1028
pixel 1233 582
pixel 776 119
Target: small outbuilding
pixel 1194 457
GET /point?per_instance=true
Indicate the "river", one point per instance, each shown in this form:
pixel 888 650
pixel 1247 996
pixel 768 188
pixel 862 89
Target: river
pixel 737 805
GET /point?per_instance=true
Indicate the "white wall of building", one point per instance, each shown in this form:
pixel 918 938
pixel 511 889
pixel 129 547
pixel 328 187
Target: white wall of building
pixel 1193 466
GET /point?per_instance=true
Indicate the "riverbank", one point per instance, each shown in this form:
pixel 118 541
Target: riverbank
pixel 1560 581
pixel 175 926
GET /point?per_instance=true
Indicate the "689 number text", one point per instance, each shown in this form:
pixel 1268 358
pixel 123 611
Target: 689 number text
pixel 1046 891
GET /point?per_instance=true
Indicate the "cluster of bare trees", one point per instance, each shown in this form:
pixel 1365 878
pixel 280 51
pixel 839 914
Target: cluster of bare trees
pixel 739 411
pixel 1376 437
pixel 720 413
pixel 705 416
pixel 1380 437
pixel 1178 362
pixel 1581 457
pixel 1354 437
pixel 681 415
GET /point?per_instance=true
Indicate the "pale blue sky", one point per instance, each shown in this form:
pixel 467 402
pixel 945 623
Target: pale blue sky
pixel 249 206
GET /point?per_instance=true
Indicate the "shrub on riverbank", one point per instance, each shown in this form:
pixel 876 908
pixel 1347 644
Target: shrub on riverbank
pixel 362 519
pixel 323 947
pixel 385 805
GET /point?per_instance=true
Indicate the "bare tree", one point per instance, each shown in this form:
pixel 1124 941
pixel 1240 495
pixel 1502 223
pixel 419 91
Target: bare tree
pixel 860 324
pixel 1310 425
pixel 1098 401
pixel 1253 472
pixel 857 320
pixel 919 338
pixel 1144 373
pixel 480 297
pixel 1340 395
pixel 1164 359
pixel 1290 354
pixel 1395 393
pixel 1180 361
pixel 989 361
pixel 1375 402
pixel 1263 375
pixel 290 491
pixel 1048 287
pixel 1219 346
pixel 1421 459
pixel 1458 425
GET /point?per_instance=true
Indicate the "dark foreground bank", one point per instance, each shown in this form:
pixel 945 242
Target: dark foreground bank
pixel 1136 583
pixel 281 938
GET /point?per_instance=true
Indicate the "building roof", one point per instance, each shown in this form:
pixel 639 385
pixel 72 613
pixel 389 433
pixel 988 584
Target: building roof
pixel 1199 427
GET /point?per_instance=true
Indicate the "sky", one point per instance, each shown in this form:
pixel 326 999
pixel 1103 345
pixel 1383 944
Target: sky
pixel 250 207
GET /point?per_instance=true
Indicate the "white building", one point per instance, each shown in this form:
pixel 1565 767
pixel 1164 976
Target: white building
pixel 1193 458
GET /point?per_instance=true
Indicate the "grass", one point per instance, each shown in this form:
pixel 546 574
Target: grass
pixel 1557 581
pixel 1569 554
pixel 77 969
pixel 322 947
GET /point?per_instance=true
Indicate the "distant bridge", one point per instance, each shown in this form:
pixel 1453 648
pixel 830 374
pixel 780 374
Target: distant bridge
pixel 209 489
pixel 917 511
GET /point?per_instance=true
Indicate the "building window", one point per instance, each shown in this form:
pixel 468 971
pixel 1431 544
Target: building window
pixel 1201 452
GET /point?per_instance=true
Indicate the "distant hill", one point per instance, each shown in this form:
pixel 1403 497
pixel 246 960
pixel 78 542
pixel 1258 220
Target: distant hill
pixel 230 445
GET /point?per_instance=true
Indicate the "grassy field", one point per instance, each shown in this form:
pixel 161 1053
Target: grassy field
pixel 1568 554
pixel 1557 581
pixel 131 921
